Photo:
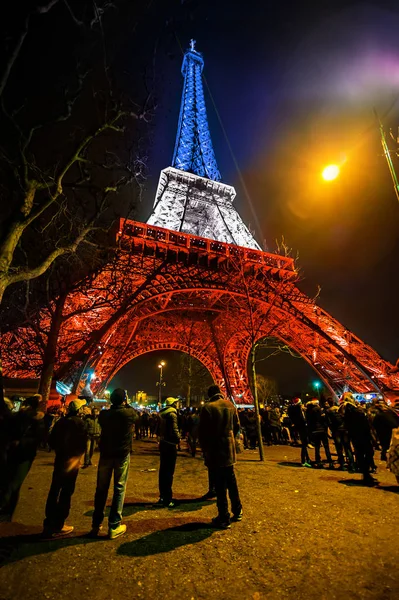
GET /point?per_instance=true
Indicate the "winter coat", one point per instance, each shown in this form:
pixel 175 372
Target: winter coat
pixel 315 418
pixel 384 421
pixel 297 416
pixel 168 430
pixel 335 419
pixel 68 437
pixel 116 431
pixel 356 423
pixel 217 430
pixel 274 418
pixel 93 427
pixel 27 430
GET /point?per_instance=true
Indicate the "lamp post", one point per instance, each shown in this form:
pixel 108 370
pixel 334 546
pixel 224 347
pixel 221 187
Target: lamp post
pixel 161 382
pixel 317 386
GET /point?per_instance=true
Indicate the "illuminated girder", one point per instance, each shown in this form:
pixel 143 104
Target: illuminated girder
pixel 209 299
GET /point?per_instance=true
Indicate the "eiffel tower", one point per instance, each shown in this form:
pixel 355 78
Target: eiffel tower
pixel 190 196
pixel 194 279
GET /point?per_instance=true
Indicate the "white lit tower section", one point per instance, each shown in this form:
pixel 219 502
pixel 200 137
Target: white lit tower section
pixel 190 196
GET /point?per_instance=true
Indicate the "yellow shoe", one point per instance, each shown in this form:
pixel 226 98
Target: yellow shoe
pixel 117 532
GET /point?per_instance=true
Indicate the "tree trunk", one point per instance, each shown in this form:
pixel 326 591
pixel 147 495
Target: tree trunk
pixel 50 352
pixel 256 403
pixel 190 371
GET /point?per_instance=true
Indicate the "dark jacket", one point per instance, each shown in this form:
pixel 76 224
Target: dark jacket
pixel 357 424
pixel 335 419
pixel 384 421
pixel 297 416
pixel 27 429
pixel 217 430
pixel 68 437
pixel 168 429
pixel 315 417
pixel 92 426
pixel 116 431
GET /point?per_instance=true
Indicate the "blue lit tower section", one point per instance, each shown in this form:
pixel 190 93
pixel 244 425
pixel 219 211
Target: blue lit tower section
pixel 193 149
pixel 190 196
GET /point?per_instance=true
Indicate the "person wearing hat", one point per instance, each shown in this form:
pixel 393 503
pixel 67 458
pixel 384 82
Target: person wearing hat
pixel 115 445
pixel 169 439
pixel 68 439
pixel 218 428
pixel 23 431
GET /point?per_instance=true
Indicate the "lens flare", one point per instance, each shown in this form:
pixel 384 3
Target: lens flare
pixel 330 172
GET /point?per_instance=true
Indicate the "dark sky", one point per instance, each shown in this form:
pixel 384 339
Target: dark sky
pixel 295 85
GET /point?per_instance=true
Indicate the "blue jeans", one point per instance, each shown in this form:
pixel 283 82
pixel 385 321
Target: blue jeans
pixel 120 468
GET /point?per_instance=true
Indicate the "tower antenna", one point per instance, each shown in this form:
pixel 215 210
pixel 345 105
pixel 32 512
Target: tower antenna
pixel 387 154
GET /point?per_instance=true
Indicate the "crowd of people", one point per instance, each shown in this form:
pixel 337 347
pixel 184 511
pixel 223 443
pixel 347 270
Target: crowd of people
pixel 74 431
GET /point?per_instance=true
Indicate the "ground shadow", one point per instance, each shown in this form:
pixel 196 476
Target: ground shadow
pixel 167 539
pixel 17 547
pixel 182 504
pixel 359 483
pixel 286 463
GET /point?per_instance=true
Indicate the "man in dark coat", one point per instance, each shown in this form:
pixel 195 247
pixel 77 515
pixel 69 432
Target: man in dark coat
pixel 358 427
pixel 115 445
pixel 317 427
pixel 297 415
pixel 217 430
pixel 340 435
pixel 384 421
pixel 68 438
pixel 169 439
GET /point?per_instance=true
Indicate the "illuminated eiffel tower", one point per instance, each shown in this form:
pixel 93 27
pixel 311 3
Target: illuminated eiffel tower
pixel 191 197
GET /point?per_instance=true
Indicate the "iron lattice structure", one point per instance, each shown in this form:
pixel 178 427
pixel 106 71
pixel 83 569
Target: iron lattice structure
pixel 208 299
pixel 194 279
pixel 193 148
pixel 190 196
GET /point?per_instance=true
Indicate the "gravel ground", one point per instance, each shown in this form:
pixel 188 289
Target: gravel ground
pixel 306 535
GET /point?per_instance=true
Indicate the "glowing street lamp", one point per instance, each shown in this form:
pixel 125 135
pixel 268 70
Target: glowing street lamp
pixel 317 386
pixel 330 172
pixel 161 382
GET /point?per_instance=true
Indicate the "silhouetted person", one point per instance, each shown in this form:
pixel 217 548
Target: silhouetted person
pixel 68 439
pixel 317 427
pixel 217 430
pixel 168 442
pixel 340 435
pixel 24 431
pixel 358 427
pixel 296 413
pixel 115 444
pixel 384 421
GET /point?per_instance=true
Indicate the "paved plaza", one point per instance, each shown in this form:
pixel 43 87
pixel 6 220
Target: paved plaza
pixel 306 534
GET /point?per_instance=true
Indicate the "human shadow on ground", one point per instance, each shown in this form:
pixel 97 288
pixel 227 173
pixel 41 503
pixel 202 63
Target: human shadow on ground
pixel 286 463
pixel 182 505
pixel 359 483
pixel 17 547
pixel 167 539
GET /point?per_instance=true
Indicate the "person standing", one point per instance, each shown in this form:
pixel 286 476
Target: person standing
pixel 340 436
pixel 68 438
pixel 217 430
pixel 23 432
pixel 115 444
pixel 358 427
pixel 297 415
pixel 169 439
pixel 317 426
pixel 93 435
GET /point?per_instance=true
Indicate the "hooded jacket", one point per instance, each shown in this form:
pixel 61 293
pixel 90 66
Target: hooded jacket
pixel 168 428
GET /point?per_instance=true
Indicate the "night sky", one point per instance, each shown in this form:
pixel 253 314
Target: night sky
pixel 290 87
pixel 295 86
